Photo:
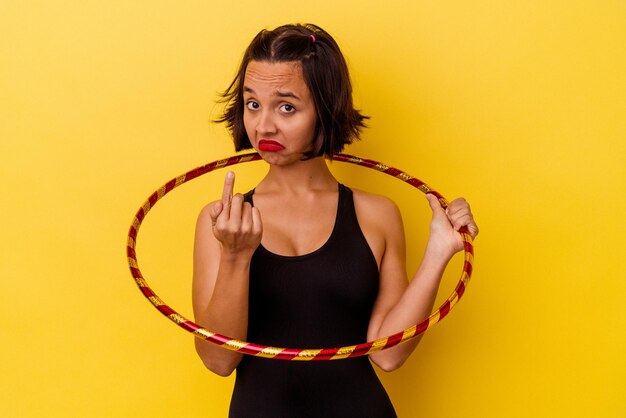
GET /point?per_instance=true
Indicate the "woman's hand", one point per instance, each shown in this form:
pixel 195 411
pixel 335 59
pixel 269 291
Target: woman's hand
pixel 236 224
pixel 227 234
pixel 445 240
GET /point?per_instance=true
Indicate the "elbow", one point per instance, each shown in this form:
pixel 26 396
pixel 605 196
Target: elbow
pixel 393 358
pixel 388 365
pixel 220 369
pixel 221 366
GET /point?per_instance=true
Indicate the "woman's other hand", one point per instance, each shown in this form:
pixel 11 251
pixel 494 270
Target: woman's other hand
pixel 445 239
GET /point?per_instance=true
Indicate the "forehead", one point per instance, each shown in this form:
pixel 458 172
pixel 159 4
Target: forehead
pixel 275 76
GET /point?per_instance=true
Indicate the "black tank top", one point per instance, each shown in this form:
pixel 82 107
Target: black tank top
pixel 316 300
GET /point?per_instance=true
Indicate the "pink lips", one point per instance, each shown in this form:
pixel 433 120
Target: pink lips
pixel 268 145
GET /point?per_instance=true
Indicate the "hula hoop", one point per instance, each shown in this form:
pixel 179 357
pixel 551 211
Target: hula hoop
pixel 304 354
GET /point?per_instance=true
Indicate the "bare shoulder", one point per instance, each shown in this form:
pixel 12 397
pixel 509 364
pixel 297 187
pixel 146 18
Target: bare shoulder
pixel 376 207
pixel 205 213
pixel 204 224
pixel 380 222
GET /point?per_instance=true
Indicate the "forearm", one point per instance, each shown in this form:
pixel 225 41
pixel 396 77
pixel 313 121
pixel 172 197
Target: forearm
pixel 414 305
pixel 401 307
pixel 226 313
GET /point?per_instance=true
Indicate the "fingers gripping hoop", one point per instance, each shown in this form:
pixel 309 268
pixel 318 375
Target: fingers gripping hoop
pixel 305 354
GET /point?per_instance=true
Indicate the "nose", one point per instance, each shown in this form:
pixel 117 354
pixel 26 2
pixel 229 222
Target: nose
pixel 265 122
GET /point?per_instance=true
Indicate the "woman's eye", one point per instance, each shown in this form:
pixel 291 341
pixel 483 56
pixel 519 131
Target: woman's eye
pixel 252 105
pixel 287 108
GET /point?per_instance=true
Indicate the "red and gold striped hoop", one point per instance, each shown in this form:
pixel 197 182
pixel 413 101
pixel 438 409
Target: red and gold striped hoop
pixel 305 354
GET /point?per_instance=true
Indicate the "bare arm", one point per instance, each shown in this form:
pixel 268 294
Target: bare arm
pixel 399 305
pixel 227 233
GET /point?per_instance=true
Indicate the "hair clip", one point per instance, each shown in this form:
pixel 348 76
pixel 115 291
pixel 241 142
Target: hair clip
pixel 313 38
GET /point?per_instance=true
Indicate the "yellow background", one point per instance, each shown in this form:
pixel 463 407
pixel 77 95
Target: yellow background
pixel 518 106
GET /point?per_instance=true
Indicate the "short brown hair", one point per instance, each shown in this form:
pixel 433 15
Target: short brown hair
pixel 325 73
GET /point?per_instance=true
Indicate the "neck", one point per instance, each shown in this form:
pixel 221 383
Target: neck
pixel 305 176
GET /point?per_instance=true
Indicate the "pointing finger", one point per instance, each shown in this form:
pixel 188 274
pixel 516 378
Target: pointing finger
pixel 236 208
pixel 229 184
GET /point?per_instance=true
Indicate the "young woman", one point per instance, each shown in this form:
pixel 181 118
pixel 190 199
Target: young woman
pixel 301 260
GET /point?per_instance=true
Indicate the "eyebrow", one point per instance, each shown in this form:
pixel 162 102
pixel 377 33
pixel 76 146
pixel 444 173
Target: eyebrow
pixel 277 93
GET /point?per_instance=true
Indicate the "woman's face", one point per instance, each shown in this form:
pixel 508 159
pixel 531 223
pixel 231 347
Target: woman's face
pixel 279 114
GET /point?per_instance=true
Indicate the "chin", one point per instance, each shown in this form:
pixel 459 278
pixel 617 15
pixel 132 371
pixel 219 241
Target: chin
pixel 277 159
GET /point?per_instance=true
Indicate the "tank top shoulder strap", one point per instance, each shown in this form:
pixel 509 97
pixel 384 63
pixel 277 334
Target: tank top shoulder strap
pixel 247 197
pixel 346 214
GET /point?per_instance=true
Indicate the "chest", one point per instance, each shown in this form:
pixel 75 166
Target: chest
pixel 294 227
pixel 322 298
pixel 325 291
